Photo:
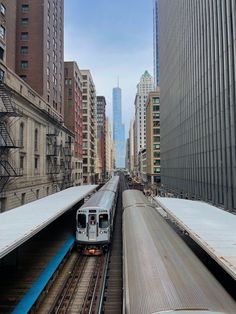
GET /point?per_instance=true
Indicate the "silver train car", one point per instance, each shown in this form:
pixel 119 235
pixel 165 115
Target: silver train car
pixel 160 272
pixel 94 220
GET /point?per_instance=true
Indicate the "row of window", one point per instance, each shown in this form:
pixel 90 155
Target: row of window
pixel 21 136
pixel 3 9
pixel 2 32
pixel 36 163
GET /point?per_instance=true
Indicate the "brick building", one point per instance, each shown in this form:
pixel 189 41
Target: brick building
pixel 39 48
pixel 74 114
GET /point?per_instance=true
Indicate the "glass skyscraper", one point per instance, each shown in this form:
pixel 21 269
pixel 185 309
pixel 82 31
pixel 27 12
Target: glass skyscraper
pixel 118 129
pixel 198 99
pixel 156 42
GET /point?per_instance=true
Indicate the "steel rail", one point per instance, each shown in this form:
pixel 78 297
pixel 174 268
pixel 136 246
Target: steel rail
pixel 69 287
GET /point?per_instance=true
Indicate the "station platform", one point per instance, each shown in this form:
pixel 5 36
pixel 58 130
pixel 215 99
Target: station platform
pixel 26 303
pixel 22 223
pixel 213 229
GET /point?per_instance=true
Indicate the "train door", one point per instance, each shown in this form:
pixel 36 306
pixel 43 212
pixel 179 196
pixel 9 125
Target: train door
pixel 92 221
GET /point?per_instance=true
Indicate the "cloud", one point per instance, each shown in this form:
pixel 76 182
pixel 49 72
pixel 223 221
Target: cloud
pixel 111 45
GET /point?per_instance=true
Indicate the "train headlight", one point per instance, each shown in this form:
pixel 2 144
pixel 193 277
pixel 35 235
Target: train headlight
pixel 101 232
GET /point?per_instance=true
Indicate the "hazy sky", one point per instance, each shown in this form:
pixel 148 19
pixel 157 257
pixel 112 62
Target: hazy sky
pixel 111 38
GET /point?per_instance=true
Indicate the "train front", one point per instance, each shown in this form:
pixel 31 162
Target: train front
pixel 92 230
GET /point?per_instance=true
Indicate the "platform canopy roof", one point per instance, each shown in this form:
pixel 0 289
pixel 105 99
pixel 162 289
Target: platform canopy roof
pixel 211 227
pixel 21 223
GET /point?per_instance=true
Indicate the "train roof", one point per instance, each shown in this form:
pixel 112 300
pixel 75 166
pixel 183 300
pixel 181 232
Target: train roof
pixel 212 228
pixel 111 185
pixel 162 273
pixel 101 199
pixel 21 223
pixel 134 197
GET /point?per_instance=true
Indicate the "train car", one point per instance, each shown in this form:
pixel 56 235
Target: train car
pixel 94 220
pixel 160 272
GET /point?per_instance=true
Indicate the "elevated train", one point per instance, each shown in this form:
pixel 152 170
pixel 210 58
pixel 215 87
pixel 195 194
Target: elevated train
pixel 94 220
pixel 160 272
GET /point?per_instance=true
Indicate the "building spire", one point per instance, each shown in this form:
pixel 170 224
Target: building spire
pixel 118 81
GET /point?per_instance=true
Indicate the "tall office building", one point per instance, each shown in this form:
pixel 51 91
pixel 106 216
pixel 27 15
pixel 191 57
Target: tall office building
pixel 153 137
pixel 74 114
pixel 118 129
pixel 89 127
pixel 108 149
pixel 131 147
pixel 40 48
pixel 198 97
pixel 8 33
pixel 156 42
pixel 144 87
pixel 101 133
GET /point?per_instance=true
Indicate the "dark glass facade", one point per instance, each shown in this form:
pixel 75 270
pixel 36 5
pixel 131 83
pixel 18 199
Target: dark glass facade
pixel 156 42
pixel 118 129
pixel 198 97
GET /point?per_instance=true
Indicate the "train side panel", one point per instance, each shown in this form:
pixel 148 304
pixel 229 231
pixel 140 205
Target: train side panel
pixel 161 273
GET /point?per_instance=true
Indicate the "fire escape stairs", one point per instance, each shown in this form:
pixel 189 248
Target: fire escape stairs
pixel 5 96
pixel 7 110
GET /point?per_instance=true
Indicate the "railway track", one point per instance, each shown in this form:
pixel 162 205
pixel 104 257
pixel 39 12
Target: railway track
pixel 114 293
pixel 77 288
pixel 89 284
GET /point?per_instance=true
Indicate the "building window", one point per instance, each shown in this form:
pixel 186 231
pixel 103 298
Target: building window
pixel 24 50
pixel 24 8
pixel 24 22
pixel 36 139
pixel 21 134
pixel 24 36
pixel 22 198
pixel 36 163
pixel 2 74
pixel 23 77
pixel 2 32
pixel 37 194
pixel 3 202
pixel 24 64
pixel 22 158
pixel 156 108
pixel 1 53
pixel 157 170
pixel 3 10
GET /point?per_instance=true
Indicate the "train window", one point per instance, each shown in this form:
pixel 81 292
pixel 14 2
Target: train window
pixel 103 221
pixel 81 221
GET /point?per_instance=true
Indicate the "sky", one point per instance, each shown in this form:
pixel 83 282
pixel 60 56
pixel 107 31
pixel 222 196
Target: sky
pixel 111 38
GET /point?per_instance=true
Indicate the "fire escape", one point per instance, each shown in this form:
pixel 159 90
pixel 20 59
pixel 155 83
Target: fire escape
pixel 66 164
pixel 7 114
pixel 53 153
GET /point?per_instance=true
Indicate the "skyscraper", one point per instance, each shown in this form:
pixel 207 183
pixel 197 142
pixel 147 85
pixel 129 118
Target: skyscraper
pixel 89 127
pixel 101 133
pixel 198 97
pixel 118 129
pixel 156 42
pixel 40 48
pixel 8 33
pixel 74 114
pixel 144 87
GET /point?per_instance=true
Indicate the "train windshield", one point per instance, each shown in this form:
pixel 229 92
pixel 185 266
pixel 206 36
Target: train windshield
pixel 81 221
pixel 103 221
